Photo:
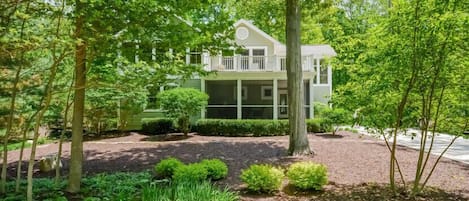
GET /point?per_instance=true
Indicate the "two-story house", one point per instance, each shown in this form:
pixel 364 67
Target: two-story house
pixel 252 83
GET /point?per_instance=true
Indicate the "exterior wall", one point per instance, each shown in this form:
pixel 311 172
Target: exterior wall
pixel 255 39
pixel 321 93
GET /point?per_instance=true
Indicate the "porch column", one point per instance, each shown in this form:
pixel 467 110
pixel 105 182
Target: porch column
pixel 311 98
pixel 318 70
pixel 239 99
pixel 202 88
pixel 275 98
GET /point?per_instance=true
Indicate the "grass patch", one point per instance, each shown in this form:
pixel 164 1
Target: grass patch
pixel 187 191
pixel 17 145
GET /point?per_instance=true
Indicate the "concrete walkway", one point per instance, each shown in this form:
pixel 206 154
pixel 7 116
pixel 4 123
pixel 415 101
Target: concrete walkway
pixel 459 151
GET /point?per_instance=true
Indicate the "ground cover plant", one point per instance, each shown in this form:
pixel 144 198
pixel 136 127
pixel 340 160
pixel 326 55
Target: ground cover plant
pixel 187 191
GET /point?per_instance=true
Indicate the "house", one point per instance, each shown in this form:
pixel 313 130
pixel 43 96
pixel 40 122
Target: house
pixel 252 83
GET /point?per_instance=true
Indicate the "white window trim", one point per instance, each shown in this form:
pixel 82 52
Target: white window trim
pixel 263 96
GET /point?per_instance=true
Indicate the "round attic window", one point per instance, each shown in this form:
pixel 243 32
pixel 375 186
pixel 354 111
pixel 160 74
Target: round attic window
pixel 242 33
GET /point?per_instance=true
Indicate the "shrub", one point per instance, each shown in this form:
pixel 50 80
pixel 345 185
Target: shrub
pixel 181 104
pixel 156 126
pixel 216 168
pixel 307 175
pixel 249 127
pixel 262 178
pixel 315 125
pixel 334 117
pixel 186 191
pixel 166 167
pixel 191 172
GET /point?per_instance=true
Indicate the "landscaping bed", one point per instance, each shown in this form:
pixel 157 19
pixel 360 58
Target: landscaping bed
pixel 354 162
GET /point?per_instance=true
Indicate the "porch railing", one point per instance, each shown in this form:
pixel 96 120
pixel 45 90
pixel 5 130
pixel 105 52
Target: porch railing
pixel 253 63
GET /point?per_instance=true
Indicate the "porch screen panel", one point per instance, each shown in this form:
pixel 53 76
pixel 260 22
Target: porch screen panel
pixel 258 93
pixel 222 103
pixel 258 112
pixel 221 92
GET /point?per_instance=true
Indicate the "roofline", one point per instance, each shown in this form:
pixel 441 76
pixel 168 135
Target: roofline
pixel 262 33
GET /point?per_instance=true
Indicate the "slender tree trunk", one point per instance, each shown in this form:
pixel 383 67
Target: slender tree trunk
pixel 38 120
pixel 62 135
pixel 299 144
pixel 12 112
pixel 76 153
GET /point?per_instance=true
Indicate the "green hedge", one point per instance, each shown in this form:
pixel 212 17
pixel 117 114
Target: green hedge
pixel 155 126
pixel 248 127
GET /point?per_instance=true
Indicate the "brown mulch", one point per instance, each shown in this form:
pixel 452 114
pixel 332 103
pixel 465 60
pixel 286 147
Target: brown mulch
pixel 352 159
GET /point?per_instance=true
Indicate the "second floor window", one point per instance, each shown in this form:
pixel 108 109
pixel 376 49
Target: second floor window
pixel 195 57
pixel 323 72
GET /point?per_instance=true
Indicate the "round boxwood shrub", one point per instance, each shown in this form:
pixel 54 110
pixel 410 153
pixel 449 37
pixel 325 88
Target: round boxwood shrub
pixel 166 167
pixel 216 168
pixel 190 173
pixel 262 178
pixel 307 175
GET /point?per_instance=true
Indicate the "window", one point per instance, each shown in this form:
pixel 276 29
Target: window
pixel 323 72
pixel 267 92
pixel 195 57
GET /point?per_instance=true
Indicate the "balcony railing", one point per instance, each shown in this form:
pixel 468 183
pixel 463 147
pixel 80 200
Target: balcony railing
pixel 253 63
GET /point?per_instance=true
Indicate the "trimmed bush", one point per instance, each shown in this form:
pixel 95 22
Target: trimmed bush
pixel 191 172
pixel 166 167
pixel 262 178
pixel 249 127
pixel 216 168
pixel 307 175
pixel 155 126
pixel 315 125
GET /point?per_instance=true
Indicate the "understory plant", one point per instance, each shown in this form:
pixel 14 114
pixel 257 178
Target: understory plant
pixel 166 167
pixel 216 168
pixel 262 178
pixel 307 175
pixel 190 172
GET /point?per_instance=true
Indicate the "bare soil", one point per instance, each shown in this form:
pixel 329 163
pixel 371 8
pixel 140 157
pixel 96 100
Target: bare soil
pixel 354 161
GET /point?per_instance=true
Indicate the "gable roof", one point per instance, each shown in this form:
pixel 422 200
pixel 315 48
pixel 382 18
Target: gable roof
pixel 254 28
pixel 280 49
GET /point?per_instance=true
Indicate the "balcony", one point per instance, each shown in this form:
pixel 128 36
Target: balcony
pixel 254 63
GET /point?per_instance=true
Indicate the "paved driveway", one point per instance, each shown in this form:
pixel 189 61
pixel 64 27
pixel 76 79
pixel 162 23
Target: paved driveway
pixel 459 151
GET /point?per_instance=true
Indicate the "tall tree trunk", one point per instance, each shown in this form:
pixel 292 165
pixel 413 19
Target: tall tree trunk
pixel 299 144
pixel 76 153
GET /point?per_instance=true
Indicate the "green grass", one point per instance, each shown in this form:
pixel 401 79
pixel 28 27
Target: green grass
pixel 187 191
pixel 17 145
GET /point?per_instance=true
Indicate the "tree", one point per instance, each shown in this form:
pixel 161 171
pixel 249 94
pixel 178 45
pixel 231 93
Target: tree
pixel 181 104
pixel 299 144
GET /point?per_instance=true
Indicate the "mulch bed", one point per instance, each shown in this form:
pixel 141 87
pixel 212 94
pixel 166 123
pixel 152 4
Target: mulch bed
pixel 356 163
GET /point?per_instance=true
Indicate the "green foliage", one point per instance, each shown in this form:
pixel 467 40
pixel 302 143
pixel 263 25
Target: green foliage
pixel 187 191
pixel 307 175
pixel 181 104
pixel 190 172
pixel 333 117
pixel 116 186
pixel 216 168
pixel 155 126
pixel 262 178
pixel 316 125
pixel 250 127
pixel 166 167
